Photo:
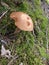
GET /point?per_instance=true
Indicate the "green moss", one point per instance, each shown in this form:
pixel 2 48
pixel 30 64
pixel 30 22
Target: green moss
pixel 3 61
pixel 25 44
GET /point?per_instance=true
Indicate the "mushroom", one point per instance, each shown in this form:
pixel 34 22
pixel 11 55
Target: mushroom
pixel 22 20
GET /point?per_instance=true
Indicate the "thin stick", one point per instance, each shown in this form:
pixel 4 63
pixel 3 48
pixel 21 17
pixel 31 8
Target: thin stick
pixel 3 14
pixel 5 4
pixel 12 60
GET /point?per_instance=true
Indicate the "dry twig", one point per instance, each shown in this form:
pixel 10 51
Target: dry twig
pixel 4 4
pixel 15 57
pixel 3 14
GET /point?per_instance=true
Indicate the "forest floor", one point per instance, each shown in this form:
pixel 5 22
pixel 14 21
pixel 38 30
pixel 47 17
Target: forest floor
pixel 27 48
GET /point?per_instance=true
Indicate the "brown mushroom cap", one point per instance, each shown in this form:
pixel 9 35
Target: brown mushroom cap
pixel 22 21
